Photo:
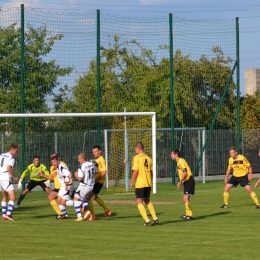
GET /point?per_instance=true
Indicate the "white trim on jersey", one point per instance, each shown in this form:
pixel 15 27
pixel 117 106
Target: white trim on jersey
pixel 62 172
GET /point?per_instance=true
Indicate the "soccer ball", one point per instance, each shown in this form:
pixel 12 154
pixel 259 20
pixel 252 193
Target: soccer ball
pixel 68 180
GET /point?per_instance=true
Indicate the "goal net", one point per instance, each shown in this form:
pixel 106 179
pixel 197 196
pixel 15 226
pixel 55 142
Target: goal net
pixel 69 134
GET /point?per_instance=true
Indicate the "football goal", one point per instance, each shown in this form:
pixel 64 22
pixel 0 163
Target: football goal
pixel 69 134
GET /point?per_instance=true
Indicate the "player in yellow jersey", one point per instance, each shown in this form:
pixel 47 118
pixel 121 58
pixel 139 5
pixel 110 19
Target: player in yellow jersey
pixel 187 180
pixel 35 179
pixel 100 176
pixel 142 167
pixel 242 174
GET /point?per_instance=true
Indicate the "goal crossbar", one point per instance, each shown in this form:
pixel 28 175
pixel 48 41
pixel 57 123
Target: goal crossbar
pixel 52 115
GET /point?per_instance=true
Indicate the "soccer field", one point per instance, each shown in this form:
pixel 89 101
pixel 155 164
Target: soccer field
pixel 214 233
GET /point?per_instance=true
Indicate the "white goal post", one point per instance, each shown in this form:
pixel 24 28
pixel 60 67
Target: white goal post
pixel 52 115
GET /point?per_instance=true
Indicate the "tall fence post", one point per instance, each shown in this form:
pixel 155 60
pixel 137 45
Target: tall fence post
pixel 22 93
pixel 98 78
pixel 172 95
pixel 238 88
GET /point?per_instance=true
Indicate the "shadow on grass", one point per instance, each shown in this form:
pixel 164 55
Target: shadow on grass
pixel 195 218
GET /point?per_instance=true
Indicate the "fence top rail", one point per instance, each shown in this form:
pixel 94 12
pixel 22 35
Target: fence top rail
pixel 22 115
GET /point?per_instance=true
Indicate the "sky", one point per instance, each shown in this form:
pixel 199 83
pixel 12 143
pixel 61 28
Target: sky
pixel 247 11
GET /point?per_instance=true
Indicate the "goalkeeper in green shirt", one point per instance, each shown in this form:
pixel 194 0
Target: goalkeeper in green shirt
pixel 35 179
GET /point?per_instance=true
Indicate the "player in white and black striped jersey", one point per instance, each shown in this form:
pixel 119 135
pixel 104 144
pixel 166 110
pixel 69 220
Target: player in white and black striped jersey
pixel 85 176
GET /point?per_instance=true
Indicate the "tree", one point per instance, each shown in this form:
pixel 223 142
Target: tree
pixel 41 74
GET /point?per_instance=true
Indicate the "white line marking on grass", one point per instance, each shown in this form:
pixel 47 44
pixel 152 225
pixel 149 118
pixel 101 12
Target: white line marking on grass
pixel 133 249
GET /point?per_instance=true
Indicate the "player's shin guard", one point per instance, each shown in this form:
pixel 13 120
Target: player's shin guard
pixel 91 207
pixel 56 207
pixel 77 204
pixel 63 210
pixel 254 198
pixel 142 211
pixel 101 203
pixel 22 196
pixel 10 207
pixel 4 209
pixel 226 197
pixel 188 209
pixel 151 209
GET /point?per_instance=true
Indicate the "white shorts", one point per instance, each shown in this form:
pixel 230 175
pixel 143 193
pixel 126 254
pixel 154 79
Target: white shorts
pixel 66 194
pixel 6 186
pixel 82 192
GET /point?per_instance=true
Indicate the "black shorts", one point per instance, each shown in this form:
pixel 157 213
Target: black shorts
pixel 243 181
pixel 32 184
pixel 143 193
pixel 189 186
pixel 97 187
pixel 56 190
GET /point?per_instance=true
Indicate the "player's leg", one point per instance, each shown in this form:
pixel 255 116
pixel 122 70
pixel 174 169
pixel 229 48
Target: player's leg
pixel 63 196
pixel 140 194
pixel 150 205
pixel 44 187
pixel 4 202
pixel 188 189
pixel 77 199
pixel 253 195
pixel 230 184
pixel 31 185
pixel 53 195
pixel 10 206
pixel 100 202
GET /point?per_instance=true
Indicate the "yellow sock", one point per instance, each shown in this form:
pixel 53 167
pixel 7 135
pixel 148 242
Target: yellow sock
pixel 151 209
pixel 56 207
pixel 188 209
pixel 142 211
pixel 101 203
pixel 226 197
pixel 91 207
pixel 254 198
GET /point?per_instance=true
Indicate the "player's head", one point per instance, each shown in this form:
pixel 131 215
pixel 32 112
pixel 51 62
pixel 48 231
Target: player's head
pixel 55 154
pixel 82 157
pixel 36 160
pixel 233 152
pixel 13 149
pixel 96 150
pixel 55 160
pixel 139 147
pixel 175 154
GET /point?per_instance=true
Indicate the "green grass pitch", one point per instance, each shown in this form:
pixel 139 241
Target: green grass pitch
pixel 214 233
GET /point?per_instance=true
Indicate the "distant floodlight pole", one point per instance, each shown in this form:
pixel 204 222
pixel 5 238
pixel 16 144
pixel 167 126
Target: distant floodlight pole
pixel 238 88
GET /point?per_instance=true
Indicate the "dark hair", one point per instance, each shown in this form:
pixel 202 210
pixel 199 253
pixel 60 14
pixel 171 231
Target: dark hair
pixel 13 146
pixel 54 154
pixel 55 158
pixel 36 157
pixel 233 148
pixel 140 145
pixel 97 147
pixel 177 151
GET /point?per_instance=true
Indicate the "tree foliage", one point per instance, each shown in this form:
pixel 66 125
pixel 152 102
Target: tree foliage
pixel 41 74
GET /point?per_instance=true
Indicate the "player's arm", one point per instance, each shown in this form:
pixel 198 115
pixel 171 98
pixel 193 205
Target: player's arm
pixel 135 174
pixel 257 183
pixel 25 172
pixel 48 177
pixel 184 174
pixel 101 175
pixel 45 171
pixel 10 170
pixel 78 176
pixel 227 174
pixel 250 173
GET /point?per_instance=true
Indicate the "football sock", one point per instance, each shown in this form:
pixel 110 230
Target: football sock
pixel 84 205
pixel 91 207
pixel 70 203
pixel 22 196
pixel 77 204
pixel 254 198
pixel 151 209
pixel 3 207
pixel 102 204
pixel 226 197
pixel 56 207
pixel 188 209
pixel 10 207
pixel 142 211
pixel 63 210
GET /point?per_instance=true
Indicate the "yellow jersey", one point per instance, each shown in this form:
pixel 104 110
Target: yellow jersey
pixel 100 163
pixel 183 166
pixel 55 177
pixel 143 163
pixel 240 165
